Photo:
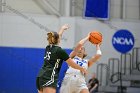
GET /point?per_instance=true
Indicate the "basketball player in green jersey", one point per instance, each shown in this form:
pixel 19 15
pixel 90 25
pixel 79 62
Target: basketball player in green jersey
pixel 54 55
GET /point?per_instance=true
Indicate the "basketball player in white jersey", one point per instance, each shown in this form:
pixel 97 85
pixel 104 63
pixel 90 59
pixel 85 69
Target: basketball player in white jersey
pixel 74 80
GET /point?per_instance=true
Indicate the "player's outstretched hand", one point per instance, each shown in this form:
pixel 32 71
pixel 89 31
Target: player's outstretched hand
pixel 62 29
pixel 65 27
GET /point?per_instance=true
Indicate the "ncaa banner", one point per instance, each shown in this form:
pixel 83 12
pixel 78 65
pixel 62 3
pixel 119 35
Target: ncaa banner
pixel 97 9
pixel 123 41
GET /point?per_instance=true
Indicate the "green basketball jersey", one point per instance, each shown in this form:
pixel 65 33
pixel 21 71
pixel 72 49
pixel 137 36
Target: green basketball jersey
pixel 54 56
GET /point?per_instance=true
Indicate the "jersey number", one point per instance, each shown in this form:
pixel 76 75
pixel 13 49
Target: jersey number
pixel 48 55
pixel 79 63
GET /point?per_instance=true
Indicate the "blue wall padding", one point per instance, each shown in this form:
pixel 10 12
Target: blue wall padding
pixel 19 68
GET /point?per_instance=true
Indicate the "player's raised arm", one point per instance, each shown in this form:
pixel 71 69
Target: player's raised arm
pixel 96 56
pixel 62 29
pixel 78 46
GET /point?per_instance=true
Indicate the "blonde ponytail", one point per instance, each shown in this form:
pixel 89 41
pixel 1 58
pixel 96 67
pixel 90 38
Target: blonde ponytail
pixel 52 37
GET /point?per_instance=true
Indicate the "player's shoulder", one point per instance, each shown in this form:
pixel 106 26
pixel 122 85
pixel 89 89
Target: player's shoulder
pixel 53 48
pixel 58 48
pixel 76 58
pixel 85 60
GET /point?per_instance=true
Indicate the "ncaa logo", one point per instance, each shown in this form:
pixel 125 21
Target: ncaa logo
pixel 123 41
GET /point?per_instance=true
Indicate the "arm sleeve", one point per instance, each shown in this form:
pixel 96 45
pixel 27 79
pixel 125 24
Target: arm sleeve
pixel 62 54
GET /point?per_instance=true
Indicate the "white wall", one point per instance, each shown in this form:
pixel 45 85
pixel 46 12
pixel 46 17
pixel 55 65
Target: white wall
pixel 132 9
pixel 25 6
pixel 115 8
pixel 17 31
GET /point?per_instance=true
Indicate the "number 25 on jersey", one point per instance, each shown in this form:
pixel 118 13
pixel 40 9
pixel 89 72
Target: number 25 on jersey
pixel 47 55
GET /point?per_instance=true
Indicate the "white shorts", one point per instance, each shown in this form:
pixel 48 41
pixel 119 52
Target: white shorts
pixel 73 84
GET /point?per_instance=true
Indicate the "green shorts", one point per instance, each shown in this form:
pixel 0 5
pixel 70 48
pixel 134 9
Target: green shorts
pixel 46 79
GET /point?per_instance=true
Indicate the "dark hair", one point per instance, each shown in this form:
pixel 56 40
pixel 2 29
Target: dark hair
pixel 85 54
pixel 53 37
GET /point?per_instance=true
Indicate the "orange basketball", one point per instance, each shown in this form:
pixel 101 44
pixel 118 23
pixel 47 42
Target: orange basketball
pixel 95 37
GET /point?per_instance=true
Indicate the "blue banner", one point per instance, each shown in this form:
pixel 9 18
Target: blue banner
pixel 97 8
pixel 123 41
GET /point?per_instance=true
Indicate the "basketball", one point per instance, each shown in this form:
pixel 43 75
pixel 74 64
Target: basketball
pixel 95 37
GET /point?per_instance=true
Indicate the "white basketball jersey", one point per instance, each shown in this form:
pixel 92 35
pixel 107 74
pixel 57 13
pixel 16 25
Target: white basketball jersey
pixel 79 61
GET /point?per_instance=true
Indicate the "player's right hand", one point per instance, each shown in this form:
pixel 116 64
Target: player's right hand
pixel 65 27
